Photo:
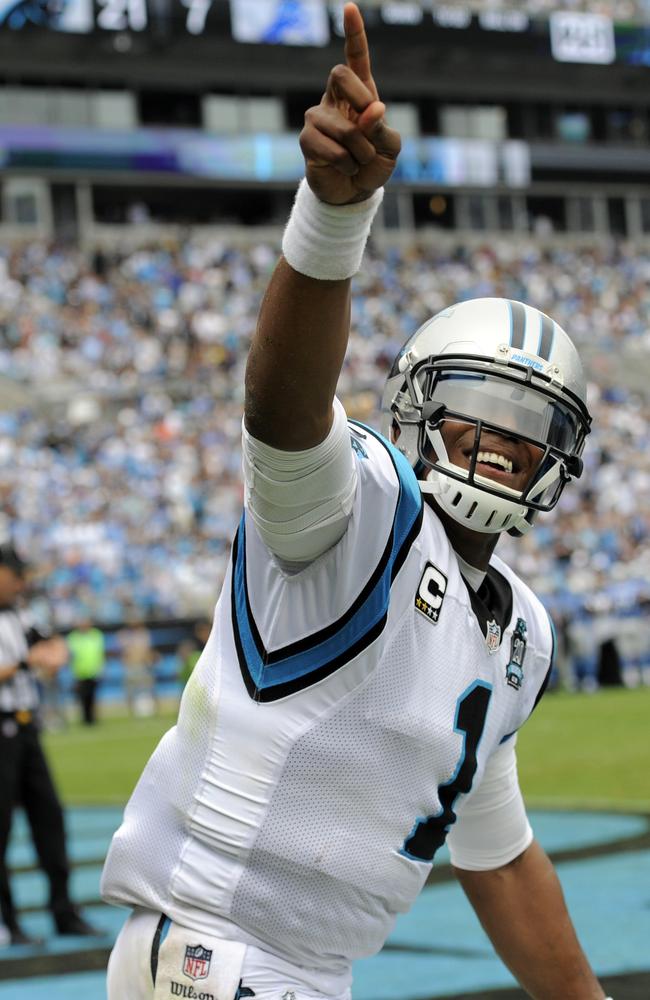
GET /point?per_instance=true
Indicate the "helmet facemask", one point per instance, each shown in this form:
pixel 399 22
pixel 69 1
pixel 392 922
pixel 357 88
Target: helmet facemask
pixel 511 401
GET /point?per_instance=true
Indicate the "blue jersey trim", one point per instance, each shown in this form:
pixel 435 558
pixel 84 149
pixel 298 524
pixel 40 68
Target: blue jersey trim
pixel 269 676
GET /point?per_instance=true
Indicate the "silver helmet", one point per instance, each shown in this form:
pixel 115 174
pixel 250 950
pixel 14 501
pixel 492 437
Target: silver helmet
pixel 507 369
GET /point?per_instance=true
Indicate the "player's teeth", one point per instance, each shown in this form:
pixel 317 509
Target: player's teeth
pixel 494 459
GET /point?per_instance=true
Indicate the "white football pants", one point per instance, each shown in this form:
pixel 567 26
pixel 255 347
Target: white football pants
pixel 154 959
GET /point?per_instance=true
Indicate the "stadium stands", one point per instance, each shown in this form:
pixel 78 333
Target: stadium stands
pixel 123 462
pixel 620 10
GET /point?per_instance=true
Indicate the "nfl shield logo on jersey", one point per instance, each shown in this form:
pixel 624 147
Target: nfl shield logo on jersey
pixel 197 961
pixel 493 637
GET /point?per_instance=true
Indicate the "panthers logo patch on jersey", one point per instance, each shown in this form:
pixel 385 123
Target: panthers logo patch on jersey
pixel 515 667
pixel 431 592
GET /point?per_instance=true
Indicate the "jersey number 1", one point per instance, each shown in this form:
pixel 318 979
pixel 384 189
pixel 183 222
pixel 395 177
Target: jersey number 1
pixel 429 833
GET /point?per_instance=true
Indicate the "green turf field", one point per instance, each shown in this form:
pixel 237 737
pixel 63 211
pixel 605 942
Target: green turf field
pixel 588 750
pixel 577 751
pixel 100 764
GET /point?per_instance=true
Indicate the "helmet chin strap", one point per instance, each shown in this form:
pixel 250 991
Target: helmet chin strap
pixel 513 508
pixel 546 480
pixel 431 485
pixel 476 510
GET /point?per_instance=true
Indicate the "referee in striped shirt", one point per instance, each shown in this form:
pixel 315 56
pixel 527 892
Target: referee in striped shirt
pixel 24 775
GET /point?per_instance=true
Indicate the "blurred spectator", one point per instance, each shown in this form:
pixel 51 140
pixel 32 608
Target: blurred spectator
pixel 52 695
pixel 87 658
pixel 564 678
pixel 37 614
pixel 190 650
pixel 138 660
pixel 609 664
pixel 583 648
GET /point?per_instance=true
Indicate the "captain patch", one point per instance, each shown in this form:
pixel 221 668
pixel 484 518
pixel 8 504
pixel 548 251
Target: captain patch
pixel 431 592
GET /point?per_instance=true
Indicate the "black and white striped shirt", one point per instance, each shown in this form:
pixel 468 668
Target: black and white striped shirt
pixel 19 692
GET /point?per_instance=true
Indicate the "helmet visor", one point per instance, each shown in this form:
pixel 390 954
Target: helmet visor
pixel 516 408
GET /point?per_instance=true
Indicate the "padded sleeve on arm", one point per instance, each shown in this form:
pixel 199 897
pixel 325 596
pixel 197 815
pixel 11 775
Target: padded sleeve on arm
pixel 301 501
pixel 492 827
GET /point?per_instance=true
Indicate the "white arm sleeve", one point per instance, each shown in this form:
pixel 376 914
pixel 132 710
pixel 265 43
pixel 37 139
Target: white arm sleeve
pixel 301 501
pixel 492 827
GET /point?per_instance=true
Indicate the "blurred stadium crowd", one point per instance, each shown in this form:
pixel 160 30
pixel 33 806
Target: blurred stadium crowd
pixel 120 469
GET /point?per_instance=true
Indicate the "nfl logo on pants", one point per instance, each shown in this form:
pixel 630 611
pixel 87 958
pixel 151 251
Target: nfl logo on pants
pixel 197 962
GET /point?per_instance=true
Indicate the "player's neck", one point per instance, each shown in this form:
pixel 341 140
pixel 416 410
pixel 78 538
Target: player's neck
pixel 473 577
pixel 474 547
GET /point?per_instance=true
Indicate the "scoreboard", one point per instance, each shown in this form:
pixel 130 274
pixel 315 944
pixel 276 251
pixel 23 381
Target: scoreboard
pixel 86 16
pixel 569 36
pixel 291 22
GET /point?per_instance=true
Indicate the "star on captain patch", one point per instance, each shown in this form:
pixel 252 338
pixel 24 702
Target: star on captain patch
pixel 493 637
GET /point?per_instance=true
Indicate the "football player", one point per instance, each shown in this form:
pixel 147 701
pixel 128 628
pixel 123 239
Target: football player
pixel 371 659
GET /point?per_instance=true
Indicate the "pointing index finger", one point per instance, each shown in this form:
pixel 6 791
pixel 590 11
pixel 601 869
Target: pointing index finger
pixel 357 53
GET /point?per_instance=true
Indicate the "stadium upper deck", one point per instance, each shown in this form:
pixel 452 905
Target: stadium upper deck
pixel 504 119
pixel 619 10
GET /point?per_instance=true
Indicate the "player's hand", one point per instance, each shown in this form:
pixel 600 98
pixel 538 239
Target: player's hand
pixel 349 149
pixel 48 655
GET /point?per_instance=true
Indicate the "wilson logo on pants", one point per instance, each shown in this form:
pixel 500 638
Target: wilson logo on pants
pixel 181 990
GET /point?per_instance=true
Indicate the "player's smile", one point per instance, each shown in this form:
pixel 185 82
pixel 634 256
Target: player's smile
pixel 507 461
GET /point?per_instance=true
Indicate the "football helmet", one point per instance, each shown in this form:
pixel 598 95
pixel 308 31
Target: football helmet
pixel 506 369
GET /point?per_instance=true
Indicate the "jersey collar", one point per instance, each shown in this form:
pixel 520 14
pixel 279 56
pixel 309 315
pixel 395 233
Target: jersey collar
pixel 492 602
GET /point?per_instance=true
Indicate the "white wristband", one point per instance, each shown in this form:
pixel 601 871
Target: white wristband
pixel 327 241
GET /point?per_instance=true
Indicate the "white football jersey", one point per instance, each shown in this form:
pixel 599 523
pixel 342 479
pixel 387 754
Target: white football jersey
pixel 336 719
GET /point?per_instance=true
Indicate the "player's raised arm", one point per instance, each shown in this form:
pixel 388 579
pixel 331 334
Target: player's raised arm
pixel 303 326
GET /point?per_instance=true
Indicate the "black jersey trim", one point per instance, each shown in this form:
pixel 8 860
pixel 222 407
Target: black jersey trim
pixel 551 665
pixel 542 689
pixel 492 601
pixel 161 932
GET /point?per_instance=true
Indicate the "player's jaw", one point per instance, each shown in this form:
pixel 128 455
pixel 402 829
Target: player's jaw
pixel 507 461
